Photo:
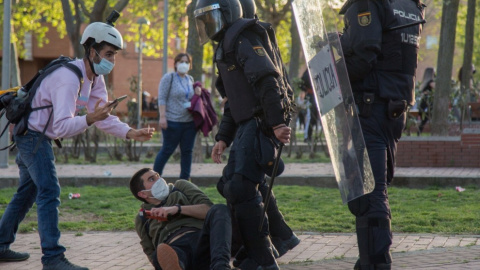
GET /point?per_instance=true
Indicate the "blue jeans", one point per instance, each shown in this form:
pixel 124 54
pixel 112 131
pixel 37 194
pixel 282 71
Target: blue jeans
pixel 38 183
pixel 182 133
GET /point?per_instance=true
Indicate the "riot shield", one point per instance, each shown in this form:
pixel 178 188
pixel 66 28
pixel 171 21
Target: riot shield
pixel 316 22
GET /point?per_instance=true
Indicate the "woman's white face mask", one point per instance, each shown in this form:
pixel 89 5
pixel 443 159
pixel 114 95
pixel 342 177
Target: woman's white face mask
pixel 159 190
pixel 183 68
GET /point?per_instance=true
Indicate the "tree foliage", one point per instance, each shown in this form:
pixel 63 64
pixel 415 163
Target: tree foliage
pixel 30 16
pixel 278 13
pixel 153 35
pixel 39 16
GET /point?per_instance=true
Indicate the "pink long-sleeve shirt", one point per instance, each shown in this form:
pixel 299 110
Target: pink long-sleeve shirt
pixel 60 89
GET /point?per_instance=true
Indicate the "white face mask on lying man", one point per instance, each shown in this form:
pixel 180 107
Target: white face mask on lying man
pixel 160 189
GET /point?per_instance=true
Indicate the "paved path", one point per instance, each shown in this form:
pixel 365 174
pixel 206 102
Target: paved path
pixel 120 250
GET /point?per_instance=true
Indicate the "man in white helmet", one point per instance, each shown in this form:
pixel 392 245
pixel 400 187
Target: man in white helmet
pixel 67 95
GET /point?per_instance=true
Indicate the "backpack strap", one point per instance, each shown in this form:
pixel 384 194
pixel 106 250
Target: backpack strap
pixel 168 93
pixel 170 87
pixel 44 130
pixel 77 72
pixel 31 88
pixel 3 131
pixel 2 112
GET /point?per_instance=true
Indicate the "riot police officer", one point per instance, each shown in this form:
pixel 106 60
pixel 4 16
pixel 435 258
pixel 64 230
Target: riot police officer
pixel 251 77
pixel 380 43
pixel 282 236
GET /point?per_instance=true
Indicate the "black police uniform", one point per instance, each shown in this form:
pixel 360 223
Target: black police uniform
pixel 380 43
pixel 251 76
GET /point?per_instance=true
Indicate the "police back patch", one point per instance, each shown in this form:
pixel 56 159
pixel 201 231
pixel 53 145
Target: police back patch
pixel 259 50
pixel 364 18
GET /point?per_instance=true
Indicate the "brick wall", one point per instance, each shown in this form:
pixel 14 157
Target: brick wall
pixel 457 151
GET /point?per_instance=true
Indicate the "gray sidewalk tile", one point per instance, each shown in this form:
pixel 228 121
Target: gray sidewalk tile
pixel 121 250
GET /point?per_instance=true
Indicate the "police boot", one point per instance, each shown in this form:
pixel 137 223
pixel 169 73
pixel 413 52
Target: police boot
pixel 257 243
pixel 381 266
pixel 250 264
pixel 374 251
pixel 242 254
pixel 283 238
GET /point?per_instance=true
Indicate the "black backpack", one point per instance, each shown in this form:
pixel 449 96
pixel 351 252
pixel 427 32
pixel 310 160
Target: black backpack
pixel 17 105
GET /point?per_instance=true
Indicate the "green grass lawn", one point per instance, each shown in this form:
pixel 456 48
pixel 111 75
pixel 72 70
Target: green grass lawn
pixel 436 210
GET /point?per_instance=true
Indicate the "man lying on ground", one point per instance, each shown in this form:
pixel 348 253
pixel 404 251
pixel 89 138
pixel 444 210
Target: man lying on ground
pixel 178 225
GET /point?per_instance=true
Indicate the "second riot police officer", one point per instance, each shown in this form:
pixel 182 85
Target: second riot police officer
pixel 380 43
pixel 252 78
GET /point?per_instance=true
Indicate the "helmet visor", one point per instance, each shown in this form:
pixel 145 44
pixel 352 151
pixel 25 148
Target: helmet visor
pixel 209 22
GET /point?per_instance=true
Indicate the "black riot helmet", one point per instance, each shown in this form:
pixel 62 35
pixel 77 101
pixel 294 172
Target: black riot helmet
pixel 249 9
pixel 213 17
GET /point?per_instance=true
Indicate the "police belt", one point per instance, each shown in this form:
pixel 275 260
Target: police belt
pixel 395 109
pixel 367 98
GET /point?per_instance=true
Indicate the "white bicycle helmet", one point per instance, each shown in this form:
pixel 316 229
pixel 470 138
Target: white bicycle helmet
pixel 102 32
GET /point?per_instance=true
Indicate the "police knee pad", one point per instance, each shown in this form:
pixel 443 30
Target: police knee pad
pixel 228 171
pixel 263 188
pixel 359 206
pixel 239 189
pixel 374 240
pixel 221 185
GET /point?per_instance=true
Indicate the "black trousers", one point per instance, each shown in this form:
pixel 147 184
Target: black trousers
pixel 208 248
pixel 381 136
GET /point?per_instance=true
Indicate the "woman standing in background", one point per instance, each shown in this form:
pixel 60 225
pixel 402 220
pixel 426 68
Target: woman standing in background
pixel 174 95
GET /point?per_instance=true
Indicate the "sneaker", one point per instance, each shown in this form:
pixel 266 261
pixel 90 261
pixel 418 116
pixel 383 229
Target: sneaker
pixel 168 258
pixel 9 255
pixel 283 246
pixel 62 264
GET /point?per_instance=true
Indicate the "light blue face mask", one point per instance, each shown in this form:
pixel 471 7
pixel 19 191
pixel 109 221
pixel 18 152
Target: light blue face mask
pixel 104 67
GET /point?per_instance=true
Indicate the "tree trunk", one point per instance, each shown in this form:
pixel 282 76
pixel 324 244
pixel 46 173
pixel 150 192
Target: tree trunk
pixel 269 11
pixel 292 74
pixel 295 51
pixel 214 92
pixel 193 44
pixel 466 79
pixel 444 68
pixel 198 155
pixel 14 66
pixel 72 24
pixel 196 51
pixel 97 11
